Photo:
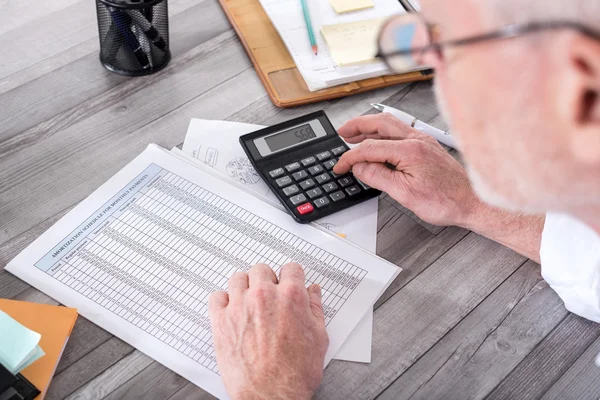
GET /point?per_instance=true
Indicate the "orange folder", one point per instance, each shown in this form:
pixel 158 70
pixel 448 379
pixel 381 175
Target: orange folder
pixel 55 324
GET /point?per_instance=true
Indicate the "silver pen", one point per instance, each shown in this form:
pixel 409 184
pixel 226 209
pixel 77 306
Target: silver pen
pixel 437 134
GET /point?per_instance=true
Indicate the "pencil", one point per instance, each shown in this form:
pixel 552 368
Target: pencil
pixel 309 27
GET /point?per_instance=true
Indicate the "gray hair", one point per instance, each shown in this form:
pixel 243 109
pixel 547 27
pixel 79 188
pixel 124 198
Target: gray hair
pixel 586 12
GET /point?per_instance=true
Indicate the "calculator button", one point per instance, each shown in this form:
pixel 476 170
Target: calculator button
pixel 330 187
pixel 286 180
pixel 308 161
pixel 276 172
pixel 300 175
pixel 347 181
pixel 293 166
pixel 339 150
pixel 298 199
pixel 323 178
pixel 364 185
pixel 314 193
pixel 322 202
pixel 353 190
pixel 329 164
pixel 335 175
pixel 324 155
pixel 316 169
pixel 337 196
pixel 290 190
pixel 305 208
pixel 307 184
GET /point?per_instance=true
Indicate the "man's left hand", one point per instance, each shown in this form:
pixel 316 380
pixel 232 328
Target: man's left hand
pixel 269 334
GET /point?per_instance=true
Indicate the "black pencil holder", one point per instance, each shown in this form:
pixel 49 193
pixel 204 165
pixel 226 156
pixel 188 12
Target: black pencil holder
pixel 134 35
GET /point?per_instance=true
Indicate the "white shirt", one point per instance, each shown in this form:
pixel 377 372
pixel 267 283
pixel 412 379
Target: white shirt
pixel 570 256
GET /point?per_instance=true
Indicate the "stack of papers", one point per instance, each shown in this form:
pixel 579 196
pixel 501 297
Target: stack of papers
pixel 142 254
pixel 18 345
pixel 215 144
pixel 321 70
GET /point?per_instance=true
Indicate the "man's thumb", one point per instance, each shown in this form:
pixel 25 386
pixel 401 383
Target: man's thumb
pixel 314 297
pixel 376 175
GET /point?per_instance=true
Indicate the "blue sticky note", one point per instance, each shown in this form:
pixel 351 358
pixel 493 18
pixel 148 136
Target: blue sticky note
pixel 18 344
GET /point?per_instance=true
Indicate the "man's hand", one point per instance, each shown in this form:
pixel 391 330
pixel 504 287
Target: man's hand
pixel 410 166
pixel 269 335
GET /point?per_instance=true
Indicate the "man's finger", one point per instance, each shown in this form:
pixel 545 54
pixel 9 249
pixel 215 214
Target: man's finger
pixel 315 299
pixel 217 301
pixel 261 273
pixel 292 273
pixel 371 151
pixel 375 126
pixel 379 177
pixel 238 282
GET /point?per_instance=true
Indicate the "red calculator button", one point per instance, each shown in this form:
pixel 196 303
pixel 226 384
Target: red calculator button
pixel 305 208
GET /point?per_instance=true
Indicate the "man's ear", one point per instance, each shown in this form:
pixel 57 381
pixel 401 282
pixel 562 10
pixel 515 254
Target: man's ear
pixel 580 92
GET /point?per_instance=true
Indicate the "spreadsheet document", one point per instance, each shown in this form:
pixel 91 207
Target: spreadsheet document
pixel 143 253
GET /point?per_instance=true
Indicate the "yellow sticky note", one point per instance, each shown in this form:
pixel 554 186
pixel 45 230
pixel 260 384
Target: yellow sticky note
pixel 342 6
pixel 352 42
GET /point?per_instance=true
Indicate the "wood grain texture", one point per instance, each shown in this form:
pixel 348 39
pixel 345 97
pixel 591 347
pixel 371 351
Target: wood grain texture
pixel 466 319
pixel 420 314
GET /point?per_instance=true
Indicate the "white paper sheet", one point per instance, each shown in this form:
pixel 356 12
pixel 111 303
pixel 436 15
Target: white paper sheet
pixel 320 71
pixel 140 256
pixel 216 144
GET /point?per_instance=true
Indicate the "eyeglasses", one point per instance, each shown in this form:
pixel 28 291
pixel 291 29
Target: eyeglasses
pixel 405 41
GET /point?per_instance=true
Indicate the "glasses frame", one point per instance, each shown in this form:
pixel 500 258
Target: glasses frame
pixel 506 32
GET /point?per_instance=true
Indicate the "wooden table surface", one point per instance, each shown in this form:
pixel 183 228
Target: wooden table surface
pixel 467 318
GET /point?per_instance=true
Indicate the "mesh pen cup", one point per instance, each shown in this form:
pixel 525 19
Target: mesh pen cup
pixel 134 35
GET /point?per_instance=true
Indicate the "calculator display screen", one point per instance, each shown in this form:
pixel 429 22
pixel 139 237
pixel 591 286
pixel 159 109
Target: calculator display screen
pixel 290 137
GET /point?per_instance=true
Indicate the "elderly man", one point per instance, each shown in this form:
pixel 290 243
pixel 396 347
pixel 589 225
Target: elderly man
pixel 520 84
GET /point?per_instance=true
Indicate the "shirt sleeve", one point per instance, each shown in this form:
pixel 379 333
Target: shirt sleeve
pixel 570 255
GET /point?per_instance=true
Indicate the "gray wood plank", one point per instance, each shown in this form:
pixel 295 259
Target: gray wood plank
pixel 191 391
pixel 87 368
pixel 549 360
pixel 415 260
pixel 465 338
pixel 113 378
pixel 408 324
pixel 435 229
pixel 154 382
pixel 18 13
pixel 11 286
pixel 581 381
pixel 53 102
pixel 82 156
pixel 478 355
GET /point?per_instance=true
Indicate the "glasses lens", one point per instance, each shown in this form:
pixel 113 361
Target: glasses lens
pixel 401 41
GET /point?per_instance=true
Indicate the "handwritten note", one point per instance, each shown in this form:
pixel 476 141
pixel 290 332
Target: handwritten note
pixel 342 6
pixel 353 42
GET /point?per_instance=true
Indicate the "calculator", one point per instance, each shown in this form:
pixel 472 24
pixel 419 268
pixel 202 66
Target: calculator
pixel 296 160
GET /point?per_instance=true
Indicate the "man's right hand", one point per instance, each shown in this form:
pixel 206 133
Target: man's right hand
pixel 410 166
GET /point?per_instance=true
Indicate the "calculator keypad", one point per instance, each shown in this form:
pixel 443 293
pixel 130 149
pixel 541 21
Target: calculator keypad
pixel 316 185
pixel 324 155
pixel 284 181
pixel 314 193
pixel 315 170
pixel 300 198
pixel 323 178
pixel 337 196
pixel 276 172
pixel 330 164
pixel 308 161
pixel 307 184
pixel 321 202
pixel 293 167
pixel 290 190
pixel 330 187
pixel 300 175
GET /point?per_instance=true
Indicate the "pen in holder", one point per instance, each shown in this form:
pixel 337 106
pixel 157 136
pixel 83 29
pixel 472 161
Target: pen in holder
pixel 134 35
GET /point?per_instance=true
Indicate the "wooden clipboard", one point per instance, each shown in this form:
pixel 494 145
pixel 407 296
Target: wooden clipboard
pixel 277 69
